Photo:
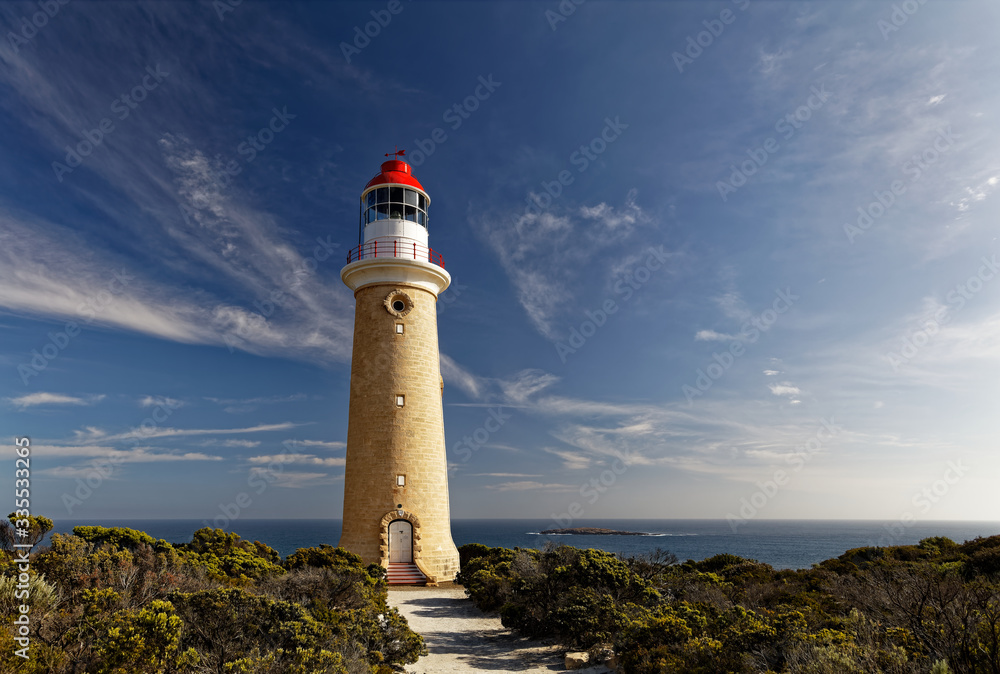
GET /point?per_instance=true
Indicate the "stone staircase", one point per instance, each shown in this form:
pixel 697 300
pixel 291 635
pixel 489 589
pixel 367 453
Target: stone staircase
pixel 405 574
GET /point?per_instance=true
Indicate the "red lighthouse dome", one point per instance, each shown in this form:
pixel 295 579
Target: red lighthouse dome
pixel 395 172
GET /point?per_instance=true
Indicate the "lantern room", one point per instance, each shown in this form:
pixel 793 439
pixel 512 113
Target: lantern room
pixel 394 207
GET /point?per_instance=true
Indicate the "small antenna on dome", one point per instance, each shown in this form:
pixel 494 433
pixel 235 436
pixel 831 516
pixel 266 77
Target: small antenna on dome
pixel 397 154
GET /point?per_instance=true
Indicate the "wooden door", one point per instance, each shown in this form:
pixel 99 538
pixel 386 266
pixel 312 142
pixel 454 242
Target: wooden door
pixel 400 542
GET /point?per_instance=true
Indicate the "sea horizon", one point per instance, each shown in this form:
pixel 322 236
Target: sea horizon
pixel 782 543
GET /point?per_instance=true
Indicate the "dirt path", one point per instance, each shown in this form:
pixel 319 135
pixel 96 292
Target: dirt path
pixel 460 638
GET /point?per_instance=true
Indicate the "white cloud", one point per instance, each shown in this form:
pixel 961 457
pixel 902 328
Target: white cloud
pixel 571 460
pixel 326 444
pixel 89 433
pixel 155 432
pixel 784 389
pixel 453 373
pixel 240 443
pixel 713 336
pixel 525 384
pixel 771 373
pixel 160 401
pixel 113 454
pixel 298 458
pixel 34 399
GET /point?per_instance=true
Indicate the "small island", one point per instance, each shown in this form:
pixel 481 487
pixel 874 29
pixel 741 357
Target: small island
pixel 593 531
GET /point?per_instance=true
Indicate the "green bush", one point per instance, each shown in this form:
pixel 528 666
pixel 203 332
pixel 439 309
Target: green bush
pixel 117 601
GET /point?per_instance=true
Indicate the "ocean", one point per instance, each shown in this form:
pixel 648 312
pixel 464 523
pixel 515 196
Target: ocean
pixel 784 544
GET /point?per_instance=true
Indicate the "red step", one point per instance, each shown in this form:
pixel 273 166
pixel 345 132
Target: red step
pixel 405 574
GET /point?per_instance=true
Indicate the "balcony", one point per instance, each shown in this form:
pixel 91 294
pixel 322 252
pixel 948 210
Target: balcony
pixel 409 250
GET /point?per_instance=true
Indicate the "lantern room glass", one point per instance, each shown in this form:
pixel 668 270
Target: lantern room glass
pixel 399 203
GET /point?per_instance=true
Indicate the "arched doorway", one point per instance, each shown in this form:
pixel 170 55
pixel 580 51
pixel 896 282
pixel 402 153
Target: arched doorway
pixel 400 542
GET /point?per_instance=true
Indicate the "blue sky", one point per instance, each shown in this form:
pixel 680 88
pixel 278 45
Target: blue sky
pixel 715 260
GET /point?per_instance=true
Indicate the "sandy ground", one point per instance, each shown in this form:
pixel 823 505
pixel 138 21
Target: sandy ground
pixel 460 638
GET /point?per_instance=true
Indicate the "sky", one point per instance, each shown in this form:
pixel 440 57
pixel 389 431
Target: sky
pixel 726 260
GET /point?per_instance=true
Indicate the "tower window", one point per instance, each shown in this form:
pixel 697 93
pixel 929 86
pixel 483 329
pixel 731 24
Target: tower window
pixel 400 480
pixel 398 303
pixel 400 400
pixel 399 328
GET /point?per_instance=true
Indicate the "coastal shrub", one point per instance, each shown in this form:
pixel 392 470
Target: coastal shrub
pixel 116 600
pixel 574 595
pixel 470 551
pixel 228 558
pixel 894 610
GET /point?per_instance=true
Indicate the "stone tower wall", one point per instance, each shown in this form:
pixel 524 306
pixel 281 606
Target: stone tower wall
pixel 385 440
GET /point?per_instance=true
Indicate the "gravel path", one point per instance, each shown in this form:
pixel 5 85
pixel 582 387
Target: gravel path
pixel 460 638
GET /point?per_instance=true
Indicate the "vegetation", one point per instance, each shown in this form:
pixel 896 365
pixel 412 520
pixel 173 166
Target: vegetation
pixel 115 600
pixel 927 608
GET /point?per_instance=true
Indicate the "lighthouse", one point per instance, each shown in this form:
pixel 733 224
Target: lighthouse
pixel 396 507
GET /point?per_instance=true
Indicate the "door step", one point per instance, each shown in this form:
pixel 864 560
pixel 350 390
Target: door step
pixel 405 574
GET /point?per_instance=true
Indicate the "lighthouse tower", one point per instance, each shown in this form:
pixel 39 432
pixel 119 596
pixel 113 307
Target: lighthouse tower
pixel 396 510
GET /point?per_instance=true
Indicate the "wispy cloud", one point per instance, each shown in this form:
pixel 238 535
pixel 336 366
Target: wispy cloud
pixel 784 389
pixel 297 458
pixel 222 240
pixel 713 336
pixel 530 485
pixel 155 401
pixel 166 432
pixel 504 475
pixel 326 444
pixel 453 373
pixel 117 455
pixel 35 399
pixel 550 256
pixel 294 479
pixel 229 443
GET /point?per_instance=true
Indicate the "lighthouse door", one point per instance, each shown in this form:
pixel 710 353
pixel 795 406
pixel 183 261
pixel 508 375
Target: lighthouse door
pixel 400 542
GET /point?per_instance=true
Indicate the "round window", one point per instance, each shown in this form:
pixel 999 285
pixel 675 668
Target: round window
pixel 398 303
